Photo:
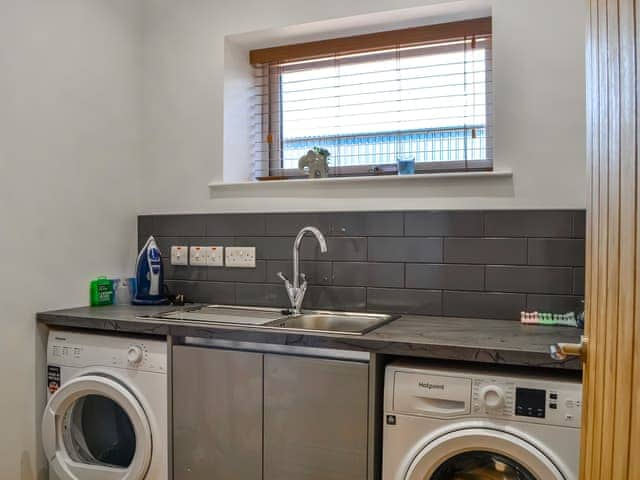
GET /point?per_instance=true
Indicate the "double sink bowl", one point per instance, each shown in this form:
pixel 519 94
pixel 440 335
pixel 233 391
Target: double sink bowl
pixel 349 323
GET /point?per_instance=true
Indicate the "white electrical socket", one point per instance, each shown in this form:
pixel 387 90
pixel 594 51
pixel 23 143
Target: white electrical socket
pixel 215 256
pixel 197 257
pixel 179 255
pixel 240 257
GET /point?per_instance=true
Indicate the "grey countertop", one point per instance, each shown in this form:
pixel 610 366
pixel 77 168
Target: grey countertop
pixel 448 338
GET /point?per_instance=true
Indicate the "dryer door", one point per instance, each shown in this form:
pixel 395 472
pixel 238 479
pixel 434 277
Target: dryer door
pixel 93 428
pixel 481 454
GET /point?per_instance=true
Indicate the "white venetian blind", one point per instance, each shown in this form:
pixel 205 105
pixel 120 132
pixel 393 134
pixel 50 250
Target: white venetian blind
pixel 429 100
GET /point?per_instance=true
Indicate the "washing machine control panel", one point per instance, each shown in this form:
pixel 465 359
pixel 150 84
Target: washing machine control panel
pixel 75 349
pixel 553 404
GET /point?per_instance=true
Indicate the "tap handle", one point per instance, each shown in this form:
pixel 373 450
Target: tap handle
pixel 283 277
pixel 303 277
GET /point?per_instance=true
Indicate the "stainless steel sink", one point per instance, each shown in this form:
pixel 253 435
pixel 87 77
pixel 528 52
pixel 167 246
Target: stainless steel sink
pixel 351 323
pixel 334 322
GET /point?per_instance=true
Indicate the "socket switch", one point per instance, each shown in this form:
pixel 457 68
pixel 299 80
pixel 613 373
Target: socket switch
pixel 197 257
pixel 215 256
pixel 179 255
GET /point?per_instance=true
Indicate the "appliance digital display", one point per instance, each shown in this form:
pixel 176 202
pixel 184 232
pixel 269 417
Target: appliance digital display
pixel 530 402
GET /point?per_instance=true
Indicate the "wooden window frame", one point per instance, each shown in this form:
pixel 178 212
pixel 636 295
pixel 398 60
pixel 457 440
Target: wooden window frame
pixel 371 42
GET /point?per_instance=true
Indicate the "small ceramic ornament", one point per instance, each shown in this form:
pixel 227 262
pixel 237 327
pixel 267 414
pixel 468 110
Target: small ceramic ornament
pixel 315 163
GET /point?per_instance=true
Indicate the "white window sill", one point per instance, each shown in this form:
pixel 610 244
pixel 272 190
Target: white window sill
pixel 318 184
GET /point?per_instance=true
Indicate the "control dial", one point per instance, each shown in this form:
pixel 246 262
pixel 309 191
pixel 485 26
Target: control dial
pixel 135 354
pixel 492 397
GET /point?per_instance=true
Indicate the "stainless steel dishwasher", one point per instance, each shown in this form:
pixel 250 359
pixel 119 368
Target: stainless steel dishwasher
pixel 256 411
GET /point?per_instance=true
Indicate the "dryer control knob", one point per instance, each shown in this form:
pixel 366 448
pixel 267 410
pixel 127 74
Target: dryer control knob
pixel 492 397
pixel 135 354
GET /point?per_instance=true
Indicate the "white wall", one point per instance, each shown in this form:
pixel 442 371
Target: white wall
pixel 69 149
pixel 538 78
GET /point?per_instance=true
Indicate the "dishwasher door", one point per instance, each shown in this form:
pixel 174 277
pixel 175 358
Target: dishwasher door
pixel 217 414
pixel 315 418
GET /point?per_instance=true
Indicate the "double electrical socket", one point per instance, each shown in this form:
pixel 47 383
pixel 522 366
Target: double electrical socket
pixel 243 257
pixel 206 256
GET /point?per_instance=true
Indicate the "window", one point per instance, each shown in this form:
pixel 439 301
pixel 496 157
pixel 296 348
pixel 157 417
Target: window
pixel 423 92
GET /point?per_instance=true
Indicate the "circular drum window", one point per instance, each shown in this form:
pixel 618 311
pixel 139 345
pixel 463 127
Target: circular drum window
pixel 94 427
pixel 481 454
pixel 96 430
pixel 481 466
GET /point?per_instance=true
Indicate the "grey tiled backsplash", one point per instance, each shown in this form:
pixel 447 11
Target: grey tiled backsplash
pixel 484 264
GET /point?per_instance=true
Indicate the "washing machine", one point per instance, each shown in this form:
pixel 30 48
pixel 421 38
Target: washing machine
pixel 472 424
pixel 106 416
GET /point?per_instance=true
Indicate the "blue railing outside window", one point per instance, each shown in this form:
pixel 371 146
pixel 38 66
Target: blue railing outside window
pixel 468 143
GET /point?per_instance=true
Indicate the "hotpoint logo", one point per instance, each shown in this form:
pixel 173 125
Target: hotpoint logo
pixel 431 386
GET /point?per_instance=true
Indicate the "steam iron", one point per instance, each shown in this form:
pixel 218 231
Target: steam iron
pixel 149 276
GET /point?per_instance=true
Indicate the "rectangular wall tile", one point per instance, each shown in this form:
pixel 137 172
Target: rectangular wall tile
pixel 404 301
pixel 318 273
pixel 368 274
pixel 444 223
pixel 204 292
pixel 338 248
pixel 520 279
pixel 289 224
pixel 335 298
pixel 184 272
pixel 553 251
pixel 579 223
pixel 367 224
pixel 247 275
pixel 578 281
pixel 281 248
pixel 554 303
pixel 498 251
pixel 165 243
pixel 262 295
pixel 145 229
pixel 268 248
pixel 394 249
pixel 526 223
pixel 179 225
pixel 235 225
pixel 505 306
pixel 445 277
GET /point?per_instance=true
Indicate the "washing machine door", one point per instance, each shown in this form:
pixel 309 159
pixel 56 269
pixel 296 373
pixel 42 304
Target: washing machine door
pixel 481 454
pixel 94 428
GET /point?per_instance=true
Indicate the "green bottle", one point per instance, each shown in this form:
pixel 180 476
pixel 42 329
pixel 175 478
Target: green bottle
pixel 101 292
